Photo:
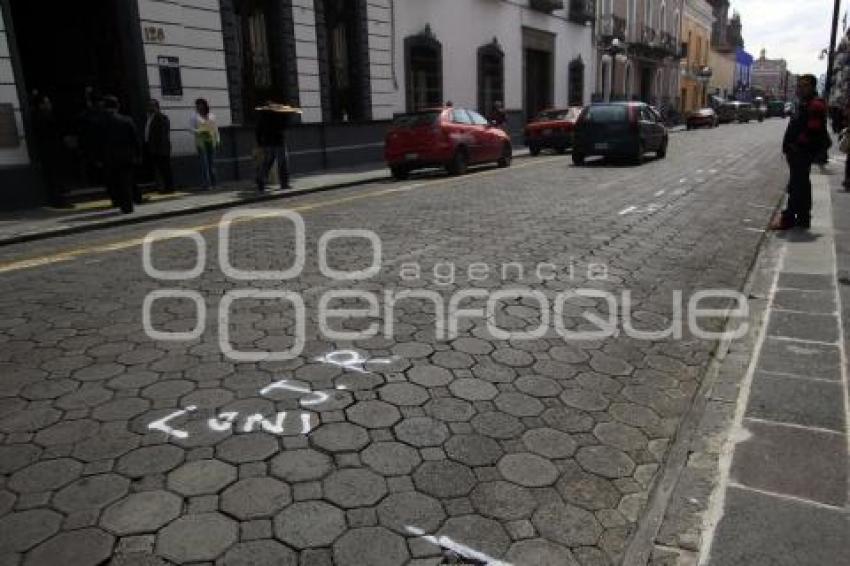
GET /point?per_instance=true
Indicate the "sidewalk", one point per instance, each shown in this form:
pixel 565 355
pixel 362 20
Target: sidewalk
pixel 41 223
pixel 783 490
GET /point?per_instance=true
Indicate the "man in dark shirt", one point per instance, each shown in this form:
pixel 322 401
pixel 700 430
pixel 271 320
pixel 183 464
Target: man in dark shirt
pixel 271 140
pixel 158 145
pixel 805 138
pixel 121 155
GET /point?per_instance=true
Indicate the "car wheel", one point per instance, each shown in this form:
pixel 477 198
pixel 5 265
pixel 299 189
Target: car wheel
pixel 459 163
pixel 561 149
pixel 662 151
pixel 689 127
pixel 400 173
pixel 578 158
pixel 534 150
pixel 507 156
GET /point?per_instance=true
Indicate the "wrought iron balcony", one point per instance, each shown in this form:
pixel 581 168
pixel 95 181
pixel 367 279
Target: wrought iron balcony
pixel 547 6
pixel 648 36
pixel 582 11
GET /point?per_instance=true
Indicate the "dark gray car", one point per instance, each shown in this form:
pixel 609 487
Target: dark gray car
pixel 619 129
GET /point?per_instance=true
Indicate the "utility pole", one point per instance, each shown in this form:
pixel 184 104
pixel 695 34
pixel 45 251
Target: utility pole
pixel 831 59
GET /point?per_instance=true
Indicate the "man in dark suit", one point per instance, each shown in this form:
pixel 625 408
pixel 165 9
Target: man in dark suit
pixel 121 155
pixel 158 146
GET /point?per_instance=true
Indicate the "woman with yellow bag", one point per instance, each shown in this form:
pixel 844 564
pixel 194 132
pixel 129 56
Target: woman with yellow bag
pixel 207 140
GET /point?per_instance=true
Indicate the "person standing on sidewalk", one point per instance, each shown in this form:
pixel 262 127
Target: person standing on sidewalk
pixel 207 139
pixel 271 141
pixel 121 155
pixel 158 146
pixel 805 138
pixel 48 146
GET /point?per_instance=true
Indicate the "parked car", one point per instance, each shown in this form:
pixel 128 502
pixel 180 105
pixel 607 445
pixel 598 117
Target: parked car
pixel 453 138
pixel 737 111
pixel 703 118
pixel 789 108
pixel 621 129
pixel 776 109
pixel 552 129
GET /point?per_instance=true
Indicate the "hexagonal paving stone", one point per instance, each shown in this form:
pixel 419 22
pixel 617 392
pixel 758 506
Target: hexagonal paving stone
pixel 29 420
pixel 497 425
pixel 373 414
pixel 587 491
pixel 609 365
pixel 354 487
pixel 549 443
pixel 485 535
pixel 193 538
pixel 404 394
pixel 444 479
pixel 375 546
pixel 106 445
pixel 16 456
pixel 201 477
pixel 430 376
pixel 247 448
pixel 410 509
pixel 91 492
pixel 584 399
pixel 142 512
pixel 472 346
pixel 84 547
pixel 539 552
pixel 46 475
pixel 621 436
pixel 605 461
pixel 473 449
pixel 150 460
pixel 473 389
pixel 528 469
pixel 512 357
pixel 538 386
pixel 421 431
pixel 121 409
pixel 260 553
pixel 519 404
pixel 449 409
pixel 566 524
pixel 255 498
pixel 21 531
pixel 568 419
pixel 67 432
pixel 301 465
pixel 309 524
pixel 340 437
pixel 503 500
pixel 391 458
pixel 413 350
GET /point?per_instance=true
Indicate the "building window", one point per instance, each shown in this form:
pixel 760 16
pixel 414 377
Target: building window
pixel 424 71
pixel 343 55
pixel 491 76
pixel 647 15
pixel 575 90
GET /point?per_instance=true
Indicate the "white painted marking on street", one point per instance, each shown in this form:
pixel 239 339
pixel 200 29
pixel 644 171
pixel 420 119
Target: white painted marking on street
pixel 757 230
pixel 699 171
pixel 683 180
pixel 801 340
pixel 784 496
pixel 756 205
pixel 660 193
pixel 456 547
pixel 796 376
pixel 712 171
pixel 793 425
pixel 628 210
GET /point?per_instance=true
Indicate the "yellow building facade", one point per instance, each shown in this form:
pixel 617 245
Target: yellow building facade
pixel 696 33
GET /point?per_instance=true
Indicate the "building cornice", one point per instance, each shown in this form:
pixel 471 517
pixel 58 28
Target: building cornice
pixel 700 11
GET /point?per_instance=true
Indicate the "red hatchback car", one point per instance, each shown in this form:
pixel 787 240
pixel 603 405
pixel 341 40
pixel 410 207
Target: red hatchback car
pixel 552 129
pixel 444 137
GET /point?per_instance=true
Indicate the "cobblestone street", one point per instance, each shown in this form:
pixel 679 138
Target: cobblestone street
pixel 407 448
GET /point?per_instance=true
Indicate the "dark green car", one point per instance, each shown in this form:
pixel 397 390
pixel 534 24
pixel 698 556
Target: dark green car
pixel 776 109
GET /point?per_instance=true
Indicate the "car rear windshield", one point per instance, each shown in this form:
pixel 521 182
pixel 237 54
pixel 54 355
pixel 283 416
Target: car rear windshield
pixel 607 114
pixel 416 119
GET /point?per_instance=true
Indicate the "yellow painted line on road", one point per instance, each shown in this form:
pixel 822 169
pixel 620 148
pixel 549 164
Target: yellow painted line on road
pixel 73 254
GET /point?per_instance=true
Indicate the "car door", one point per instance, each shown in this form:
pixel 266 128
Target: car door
pixel 491 142
pixel 654 129
pixel 647 133
pixel 465 134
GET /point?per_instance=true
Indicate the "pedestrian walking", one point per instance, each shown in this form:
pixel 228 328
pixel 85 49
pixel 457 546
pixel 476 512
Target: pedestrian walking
pixel 844 145
pixel 207 139
pixel 121 155
pixel 158 146
pixel 90 131
pixel 271 143
pixel 805 139
pixel 48 147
